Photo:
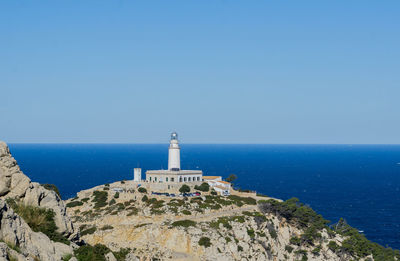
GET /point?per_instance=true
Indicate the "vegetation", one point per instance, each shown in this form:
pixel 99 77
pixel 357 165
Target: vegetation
pixel 358 245
pixel 74 204
pixel 67 257
pixel 88 231
pixel 184 223
pixel 355 244
pixel 204 241
pixel 142 190
pixel 38 219
pixel 186 212
pixel 100 199
pixel 231 178
pixel 53 188
pixel 145 198
pixel 98 252
pixel 300 215
pixel 184 189
pixel 203 187
pixel 116 195
pixel 106 227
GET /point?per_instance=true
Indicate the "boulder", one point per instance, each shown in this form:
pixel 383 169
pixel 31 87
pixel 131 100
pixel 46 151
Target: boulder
pixel 15 184
pixel 16 231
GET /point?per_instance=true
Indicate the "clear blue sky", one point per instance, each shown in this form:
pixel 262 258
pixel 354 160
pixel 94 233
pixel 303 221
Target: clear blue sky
pixel 214 71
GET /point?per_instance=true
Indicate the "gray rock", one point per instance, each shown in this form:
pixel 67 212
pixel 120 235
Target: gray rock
pixel 110 257
pixel 17 232
pixel 15 184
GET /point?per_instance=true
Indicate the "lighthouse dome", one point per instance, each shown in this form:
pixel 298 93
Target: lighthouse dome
pixel 174 136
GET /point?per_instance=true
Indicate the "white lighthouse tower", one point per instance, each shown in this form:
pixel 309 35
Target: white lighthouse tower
pixel 174 153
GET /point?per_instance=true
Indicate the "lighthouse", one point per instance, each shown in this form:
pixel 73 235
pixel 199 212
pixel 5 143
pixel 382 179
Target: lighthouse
pixel 174 174
pixel 174 153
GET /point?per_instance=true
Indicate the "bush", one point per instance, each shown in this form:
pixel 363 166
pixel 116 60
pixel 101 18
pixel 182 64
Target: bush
pixel 100 198
pixel 184 189
pixel 231 178
pixel 184 223
pixel 53 188
pixel 98 252
pixel 39 220
pixel 106 227
pixel 112 202
pixel 289 248
pixel 142 190
pixel 92 253
pixel 203 187
pixel 204 241
pixel 186 212
pixel 116 195
pixel 88 231
pixel 73 204
pixel 145 198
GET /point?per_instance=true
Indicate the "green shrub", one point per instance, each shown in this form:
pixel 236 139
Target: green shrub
pixel 85 200
pixel 289 248
pixel 184 189
pixel 88 231
pixel 116 195
pixel 239 248
pixel 203 187
pixel 100 198
pixel 91 253
pixel 67 257
pixel 53 188
pixel 112 202
pixel 145 198
pixel 184 223
pixel 39 220
pixel 204 241
pixel 295 241
pixel 214 193
pixel 73 204
pixel 107 227
pixel 186 212
pixel 134 211
pixel 142 190
pixel 251 233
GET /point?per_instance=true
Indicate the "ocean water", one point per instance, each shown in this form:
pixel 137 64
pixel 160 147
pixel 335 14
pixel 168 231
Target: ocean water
pixel 360 183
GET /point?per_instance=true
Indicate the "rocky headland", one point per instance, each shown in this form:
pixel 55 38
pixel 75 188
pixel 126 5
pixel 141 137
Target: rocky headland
pixel 121 221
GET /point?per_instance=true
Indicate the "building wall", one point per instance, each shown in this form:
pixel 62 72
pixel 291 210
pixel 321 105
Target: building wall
pixel 173 178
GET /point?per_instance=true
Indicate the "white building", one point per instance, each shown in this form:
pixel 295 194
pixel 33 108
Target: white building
pixel 220 186
pixel 174 174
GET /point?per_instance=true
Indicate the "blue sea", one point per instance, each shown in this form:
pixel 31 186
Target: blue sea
pixel 360 183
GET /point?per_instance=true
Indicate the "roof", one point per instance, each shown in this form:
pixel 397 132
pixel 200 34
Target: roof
pixel 211 177
pixel 220 187
pixel 224 182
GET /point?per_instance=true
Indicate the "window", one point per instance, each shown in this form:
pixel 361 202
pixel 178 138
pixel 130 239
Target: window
pixel 184 179
pixel 180 179
pixel 172 179
pixel 166 179
pixel 198 178
pixel 155 179
pixel 150 178
pixel 189 179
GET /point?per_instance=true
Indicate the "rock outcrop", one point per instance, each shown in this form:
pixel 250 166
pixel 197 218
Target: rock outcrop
pixel 16 232
pixel 15 184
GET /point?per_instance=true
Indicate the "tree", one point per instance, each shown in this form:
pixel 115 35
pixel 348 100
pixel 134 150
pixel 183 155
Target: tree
pixel 203 187
pixel 142 190
pixel 184 189
pixel 231 178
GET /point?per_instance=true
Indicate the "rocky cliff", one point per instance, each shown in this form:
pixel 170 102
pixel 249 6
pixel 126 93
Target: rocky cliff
pixel 15 184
